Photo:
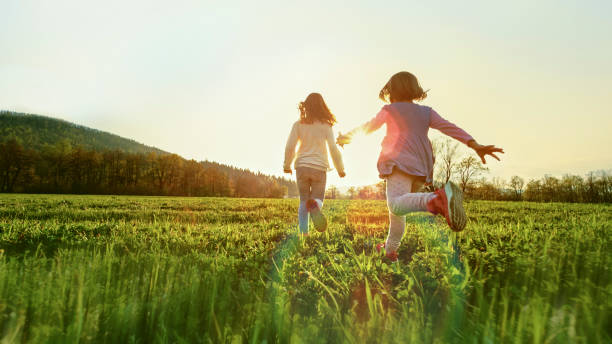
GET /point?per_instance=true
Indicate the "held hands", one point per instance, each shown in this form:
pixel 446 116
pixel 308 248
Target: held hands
pixel 482 150
pixel 343 139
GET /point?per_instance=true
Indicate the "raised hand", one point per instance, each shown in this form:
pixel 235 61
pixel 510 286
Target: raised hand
pixel 483 150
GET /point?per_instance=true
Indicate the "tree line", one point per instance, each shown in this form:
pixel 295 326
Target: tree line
pixel 470 174
pixel 62 168
pixel 595 187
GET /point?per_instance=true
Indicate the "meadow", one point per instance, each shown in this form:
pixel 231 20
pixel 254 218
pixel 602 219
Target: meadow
pixel 118 269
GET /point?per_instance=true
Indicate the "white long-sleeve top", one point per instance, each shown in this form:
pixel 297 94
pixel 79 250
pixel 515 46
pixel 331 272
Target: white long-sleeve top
pixel 312 151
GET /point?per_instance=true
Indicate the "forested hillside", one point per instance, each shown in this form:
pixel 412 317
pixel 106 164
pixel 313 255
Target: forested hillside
pixel 35 131
pixel 44 155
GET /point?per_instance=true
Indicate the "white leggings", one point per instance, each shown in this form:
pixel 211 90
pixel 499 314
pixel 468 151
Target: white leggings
pixel 401 200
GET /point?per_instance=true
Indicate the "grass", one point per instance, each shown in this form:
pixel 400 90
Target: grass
pixel 155 269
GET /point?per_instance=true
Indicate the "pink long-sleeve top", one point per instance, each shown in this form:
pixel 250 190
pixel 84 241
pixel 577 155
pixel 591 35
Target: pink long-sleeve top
pixel 406 145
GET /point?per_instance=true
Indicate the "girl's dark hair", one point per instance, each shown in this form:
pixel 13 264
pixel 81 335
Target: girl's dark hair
pixel 402 87
pixel 314 109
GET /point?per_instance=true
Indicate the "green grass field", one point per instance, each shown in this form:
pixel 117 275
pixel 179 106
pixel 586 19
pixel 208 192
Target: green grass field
pixel 148 269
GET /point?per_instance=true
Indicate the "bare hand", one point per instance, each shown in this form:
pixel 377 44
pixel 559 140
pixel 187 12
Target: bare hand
pixel 482 150
pixel 288 170
pixel 341 174
pixel 343 139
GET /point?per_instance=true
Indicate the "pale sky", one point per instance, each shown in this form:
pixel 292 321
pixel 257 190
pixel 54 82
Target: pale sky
pixel 221 80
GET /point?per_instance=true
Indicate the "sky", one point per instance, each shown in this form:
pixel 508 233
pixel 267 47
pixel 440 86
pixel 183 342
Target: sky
pixel 221 81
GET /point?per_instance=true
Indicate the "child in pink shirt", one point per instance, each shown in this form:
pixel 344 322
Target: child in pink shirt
pixel 406 158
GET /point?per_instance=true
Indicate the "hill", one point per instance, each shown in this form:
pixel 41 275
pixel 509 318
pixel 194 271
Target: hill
pixel 48 155
pixel 35 131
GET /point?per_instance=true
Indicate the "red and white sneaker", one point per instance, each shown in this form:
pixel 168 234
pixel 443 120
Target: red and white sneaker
pixel 318 219
pixel 391 255
pixel 449 203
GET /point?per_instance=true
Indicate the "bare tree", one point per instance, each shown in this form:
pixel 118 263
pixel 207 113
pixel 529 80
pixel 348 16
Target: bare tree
pixel 517 183
pixel 446 156
pixel 436 146
pixel 352 192
pixel 468 169
pixel 605 185
pixel 332 192
pixel 366 192
pixel 381 189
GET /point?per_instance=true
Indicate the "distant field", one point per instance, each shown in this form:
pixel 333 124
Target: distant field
pixel 156 269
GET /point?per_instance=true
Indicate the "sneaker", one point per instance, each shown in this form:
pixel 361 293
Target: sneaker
pixel 449 203
pixel 318 219
pixel 391 255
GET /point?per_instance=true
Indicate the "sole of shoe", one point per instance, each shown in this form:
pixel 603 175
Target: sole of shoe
pixel 318 219
pixel 456 213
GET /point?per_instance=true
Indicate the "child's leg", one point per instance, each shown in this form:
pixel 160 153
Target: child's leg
pixel 396 231
pixel 397 185
pixel 319 178
pixel 303 183
pixel 303 217
pixel 318 194
pixel 400 199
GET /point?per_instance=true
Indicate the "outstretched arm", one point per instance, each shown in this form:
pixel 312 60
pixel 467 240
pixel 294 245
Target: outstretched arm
pixel 448 128
pixel 290 149
pixel 366 128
